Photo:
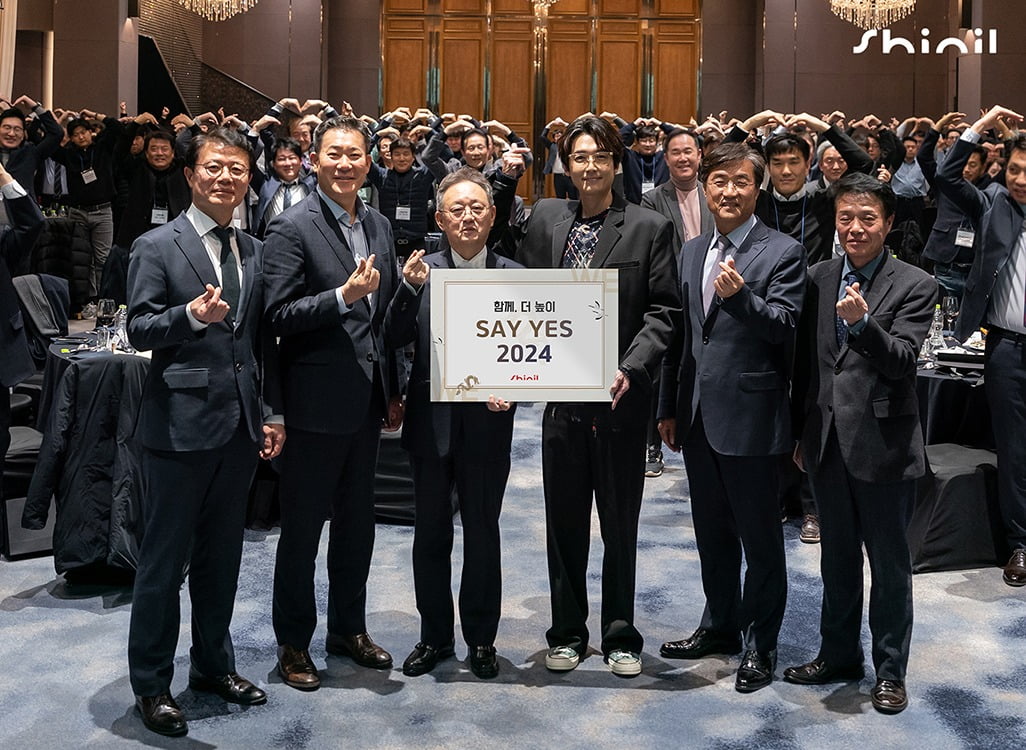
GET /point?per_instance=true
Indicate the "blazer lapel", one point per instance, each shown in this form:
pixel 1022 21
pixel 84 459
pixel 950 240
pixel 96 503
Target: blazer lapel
pixel 751 248
pixel 608 237
pixel 668 195
pixel 332 232
pixel 693 274
pixel 828 311
pixel 560 231
pixel 191 245
pixel 880 285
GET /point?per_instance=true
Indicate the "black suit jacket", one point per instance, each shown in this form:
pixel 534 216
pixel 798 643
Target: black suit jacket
pixel 24 161
pixel 15 243
pixel 735 363
pixel 940 245
pixel 138 210
pixel 663 200
pixel 999 220
pixel 635 241
pixel 427 426
pixel 328 360
pixel 866 389
pixel 200 383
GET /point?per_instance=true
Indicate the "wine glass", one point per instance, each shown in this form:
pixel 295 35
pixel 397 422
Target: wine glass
pixel 950 306
pixel 105 311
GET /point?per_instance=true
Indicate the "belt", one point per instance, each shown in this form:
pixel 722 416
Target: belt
pixel 93 207
pixel 963 266
pixel 1004 333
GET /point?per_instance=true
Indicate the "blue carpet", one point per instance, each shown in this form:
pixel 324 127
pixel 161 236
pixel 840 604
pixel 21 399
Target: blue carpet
pixel 65 681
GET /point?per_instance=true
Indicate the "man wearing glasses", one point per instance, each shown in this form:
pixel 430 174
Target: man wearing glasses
pixel 210 408
pixel 591 448
pixel 330 277
pixel 18 154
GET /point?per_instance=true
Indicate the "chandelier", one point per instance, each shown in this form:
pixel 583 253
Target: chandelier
pixel 872 14
pixel 217 10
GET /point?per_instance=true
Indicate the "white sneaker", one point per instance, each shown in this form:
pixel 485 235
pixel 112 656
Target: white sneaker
pixel 561 659
pixel 624 663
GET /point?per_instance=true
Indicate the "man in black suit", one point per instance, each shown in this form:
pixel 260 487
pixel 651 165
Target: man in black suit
pixel 209 409
pixel 723 399
pixel 20 155
pixel 330 275
pixel 285 185
pixel 591 448
pixel 465 447
pixel 16 241
pixel 994 298
pixel 856 418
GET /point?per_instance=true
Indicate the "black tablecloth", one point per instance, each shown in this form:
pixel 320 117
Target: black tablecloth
pixel 953 410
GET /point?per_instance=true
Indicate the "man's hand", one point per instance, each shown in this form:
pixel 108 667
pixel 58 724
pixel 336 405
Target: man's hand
pixel 766 117
pixel 995 117
pixel 421 131
pixel 729 281
pixel 290 104
pixel 313 106
pixel 852 307
pixel 415 270
pixel 25 103
pixel 144 118
pixel 948 120
pixel 274 439
pixel 498 404
pixel 362 282
pixel 5 176
pixel 809 121
pixel 883 174
pixel 513 161
pixel 621 384
pixel 209 307
pixel 668 432
pixel 608 116
pixel 396 409
pixel 457 127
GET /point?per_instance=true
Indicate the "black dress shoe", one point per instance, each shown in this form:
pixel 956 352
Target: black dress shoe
pixel 818 672
pixel 162 715
pixel 360 648
pixel 231 687
pixel 756 670
pixel 424 658
pixel 1015 571
pixel 297 668
pixel 889 696
pixel 483 662
pixel 701 643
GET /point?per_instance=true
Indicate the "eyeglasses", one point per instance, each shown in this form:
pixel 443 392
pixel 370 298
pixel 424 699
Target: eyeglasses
pixel 739 183
pixel 458 211
pixel 599 158
pixel 214 169
pixel 12 129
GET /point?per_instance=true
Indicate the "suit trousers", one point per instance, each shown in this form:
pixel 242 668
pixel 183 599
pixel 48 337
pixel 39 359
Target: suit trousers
pixel 1005 385
pixel 735 507
pixel 5 431
pixel 194 511
pixel 853 512
pixel 480 483
pixel 325 477
pixel 585 452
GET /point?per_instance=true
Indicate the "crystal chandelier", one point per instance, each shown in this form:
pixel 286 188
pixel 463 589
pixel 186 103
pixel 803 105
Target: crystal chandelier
pixel 217 10
pixel 872 14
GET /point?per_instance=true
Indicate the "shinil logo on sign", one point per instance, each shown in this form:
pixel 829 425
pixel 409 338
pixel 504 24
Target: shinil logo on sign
pixel 981 45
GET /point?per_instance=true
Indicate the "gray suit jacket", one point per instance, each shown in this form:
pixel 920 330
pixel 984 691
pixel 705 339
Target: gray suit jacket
pixel 866 389
pixel 663 200
pixel 735 363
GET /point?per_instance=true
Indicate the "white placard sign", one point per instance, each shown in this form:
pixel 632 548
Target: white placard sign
pixel 523 334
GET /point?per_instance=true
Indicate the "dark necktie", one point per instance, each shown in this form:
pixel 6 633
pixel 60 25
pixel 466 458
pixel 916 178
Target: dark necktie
pixel 230 290
pixel 841 326
pixel 286 199
pixel 723 244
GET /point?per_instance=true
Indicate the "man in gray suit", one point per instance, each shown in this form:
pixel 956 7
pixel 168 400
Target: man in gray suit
pixel 681 199
pixel 724 400
pixel 856 417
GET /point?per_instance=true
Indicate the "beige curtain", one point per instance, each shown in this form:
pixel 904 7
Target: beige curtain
pixel 8 33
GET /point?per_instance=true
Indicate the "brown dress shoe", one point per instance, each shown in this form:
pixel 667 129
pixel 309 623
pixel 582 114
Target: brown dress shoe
pixel 162 715
pixel 360 648
pixel 297 668
pixel 889 696
pixel 810 530
pixel 231 687
pixel 1015 571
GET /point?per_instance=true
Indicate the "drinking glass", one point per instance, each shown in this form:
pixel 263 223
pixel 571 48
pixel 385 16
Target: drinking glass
pixel 106 309
pixel 950 306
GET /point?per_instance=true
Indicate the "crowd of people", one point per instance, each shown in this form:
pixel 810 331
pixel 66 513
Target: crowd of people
pixel 775 288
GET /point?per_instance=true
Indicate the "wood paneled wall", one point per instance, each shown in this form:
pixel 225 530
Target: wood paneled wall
pixel 488 57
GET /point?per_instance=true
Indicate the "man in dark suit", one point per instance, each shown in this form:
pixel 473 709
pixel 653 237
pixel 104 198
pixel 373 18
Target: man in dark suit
pixel 20 155
pixel 723 400
pixel 857 421
pixel 592 448
pixel 681 199
pixel 209 408
pixel 465 447
pixel 994 298
pixel 16 241
pixel 285 186
pixel 330 275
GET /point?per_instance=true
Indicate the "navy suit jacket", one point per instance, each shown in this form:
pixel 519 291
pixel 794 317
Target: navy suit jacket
pixel 735 363
pixel 329 360
pixel 200 383
pixel 427 426
pixel 867 388
pixel 16 242
pixel 940 245
pixel 265 194
pixel 999 221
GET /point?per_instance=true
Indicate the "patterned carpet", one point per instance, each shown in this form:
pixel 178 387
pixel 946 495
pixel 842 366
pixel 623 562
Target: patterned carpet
pixel 65 678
